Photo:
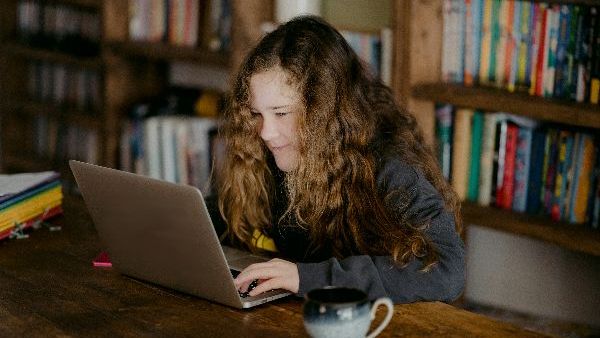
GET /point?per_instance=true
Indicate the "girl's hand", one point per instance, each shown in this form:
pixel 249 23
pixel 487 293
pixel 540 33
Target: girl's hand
pixel 274 274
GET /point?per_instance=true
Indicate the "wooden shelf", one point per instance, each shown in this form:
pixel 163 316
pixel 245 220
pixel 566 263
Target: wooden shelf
pixel 573 2
pixel 571 236
pixel 93 4
pixel 75 116
pixel 12 163
pixel 167 52
pixel 493 99
pixel 17 49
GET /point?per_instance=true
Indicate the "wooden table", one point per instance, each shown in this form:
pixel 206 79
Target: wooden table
pixel 48 287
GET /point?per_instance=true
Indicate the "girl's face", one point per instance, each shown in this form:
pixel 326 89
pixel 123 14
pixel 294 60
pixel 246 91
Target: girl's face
pixel 275 104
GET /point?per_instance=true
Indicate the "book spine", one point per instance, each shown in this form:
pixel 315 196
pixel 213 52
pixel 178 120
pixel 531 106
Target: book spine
pixel 576 25
pixel 469 45
pixel 487 159
pixel 562 48
pixel 443 114
pixel 583 183
pixel 522 169
pixel 477 131
pixel 550 59
pixel 541 50
pixel 461 152
pixel 512 66
pixel 505 192
pixel 525 29
pixel 495 40
pixel 565 144
pixel 550 163
pixel 595 66
pixel 533 205
pixel 486 41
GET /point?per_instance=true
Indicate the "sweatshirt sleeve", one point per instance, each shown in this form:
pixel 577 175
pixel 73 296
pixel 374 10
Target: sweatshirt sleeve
pixel 378 275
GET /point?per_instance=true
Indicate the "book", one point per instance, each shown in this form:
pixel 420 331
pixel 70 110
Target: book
pixel 542 49
pixel 486 165
pixel 565 147
pixel 461 151
pixel 522 169
pixel 486 42
pixel 550 167
pixel 11 186
pixel 595 65
pixel 475 157
pixel 550 51
pixel 584 160
pixel 453 43
pixel 443 115
pixel 561 76
pixel 26 199
pixel 505 186
pixel 535 181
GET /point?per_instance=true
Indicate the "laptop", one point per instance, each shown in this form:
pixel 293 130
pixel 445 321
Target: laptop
pixel 161 232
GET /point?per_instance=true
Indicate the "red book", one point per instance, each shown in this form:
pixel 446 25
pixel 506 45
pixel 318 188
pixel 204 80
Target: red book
pixel 505 192
pixel 539 81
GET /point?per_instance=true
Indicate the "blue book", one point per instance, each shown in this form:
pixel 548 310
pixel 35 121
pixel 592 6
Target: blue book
pixel 578 155
pixel 522 168
pixel 561 65
pixel 536 165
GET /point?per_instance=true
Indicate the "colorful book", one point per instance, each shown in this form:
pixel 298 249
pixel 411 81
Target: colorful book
pixel 565 151
pixel 582 183
pixel 512 55
pixel 552 28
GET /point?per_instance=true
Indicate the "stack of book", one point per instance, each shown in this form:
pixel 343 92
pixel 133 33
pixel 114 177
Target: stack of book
pixel 28 199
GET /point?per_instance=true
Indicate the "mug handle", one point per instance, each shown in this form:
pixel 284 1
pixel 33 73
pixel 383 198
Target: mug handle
pixel 390 307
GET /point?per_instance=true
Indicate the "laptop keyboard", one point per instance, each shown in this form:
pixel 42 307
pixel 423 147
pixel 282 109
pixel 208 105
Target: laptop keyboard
pixel 251 287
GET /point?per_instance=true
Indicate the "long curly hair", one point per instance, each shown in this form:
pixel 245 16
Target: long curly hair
pixel 333 191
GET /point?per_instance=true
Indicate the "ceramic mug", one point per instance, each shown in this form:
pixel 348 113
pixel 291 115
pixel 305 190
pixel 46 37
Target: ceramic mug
pixel 342 312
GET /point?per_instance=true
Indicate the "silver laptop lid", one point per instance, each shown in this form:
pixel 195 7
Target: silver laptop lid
pixel 157 231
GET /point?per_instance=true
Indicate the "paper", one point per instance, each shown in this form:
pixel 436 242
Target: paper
pixel 17 183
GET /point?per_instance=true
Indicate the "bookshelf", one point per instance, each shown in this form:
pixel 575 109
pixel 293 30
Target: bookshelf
pixel 420 28
pixel 128 71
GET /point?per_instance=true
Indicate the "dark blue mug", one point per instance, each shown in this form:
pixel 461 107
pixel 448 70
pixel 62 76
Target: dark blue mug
pixel 342 312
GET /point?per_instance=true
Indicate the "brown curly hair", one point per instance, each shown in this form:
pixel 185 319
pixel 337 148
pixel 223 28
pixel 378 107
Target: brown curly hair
pixel 333 190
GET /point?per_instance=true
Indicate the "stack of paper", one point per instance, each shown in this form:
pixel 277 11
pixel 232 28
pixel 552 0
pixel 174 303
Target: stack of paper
pixel 27 199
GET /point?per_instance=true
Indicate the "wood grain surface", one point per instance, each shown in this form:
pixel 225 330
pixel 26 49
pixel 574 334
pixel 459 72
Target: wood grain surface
pixel 48 288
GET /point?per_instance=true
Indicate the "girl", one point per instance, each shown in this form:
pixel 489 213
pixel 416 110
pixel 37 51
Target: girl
pixel 323 167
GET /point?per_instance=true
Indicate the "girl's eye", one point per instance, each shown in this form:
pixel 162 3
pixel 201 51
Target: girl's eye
pixel 281 114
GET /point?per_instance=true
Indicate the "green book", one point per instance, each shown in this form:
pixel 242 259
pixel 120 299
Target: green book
pixel 476 137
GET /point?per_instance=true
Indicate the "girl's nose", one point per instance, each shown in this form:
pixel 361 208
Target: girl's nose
pixel 268 130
